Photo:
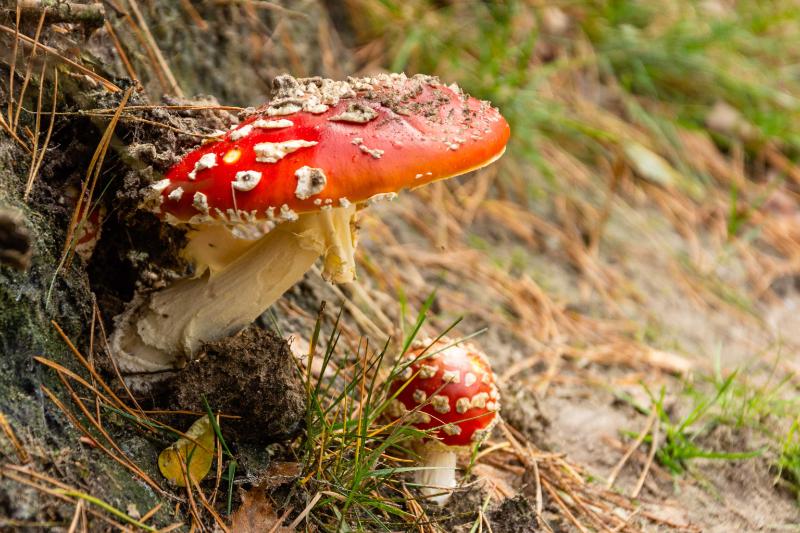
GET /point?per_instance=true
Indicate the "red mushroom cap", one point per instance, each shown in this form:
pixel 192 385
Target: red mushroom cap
pixel 452 390
pixel 323 143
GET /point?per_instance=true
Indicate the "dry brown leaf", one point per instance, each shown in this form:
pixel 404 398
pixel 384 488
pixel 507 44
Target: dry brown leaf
pixel 256 514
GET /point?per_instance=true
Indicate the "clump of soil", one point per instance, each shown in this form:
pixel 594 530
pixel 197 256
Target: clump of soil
pixel 251 375
pixel 511 515
pixel 514 515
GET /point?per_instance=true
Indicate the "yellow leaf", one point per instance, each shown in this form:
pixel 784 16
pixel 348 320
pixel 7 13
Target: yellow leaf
pixel 193 455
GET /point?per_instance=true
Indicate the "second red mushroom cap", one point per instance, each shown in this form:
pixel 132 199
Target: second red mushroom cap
pixel 449 390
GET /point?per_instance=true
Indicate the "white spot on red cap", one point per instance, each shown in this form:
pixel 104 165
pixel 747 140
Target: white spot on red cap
pixel 463 405
pixel 451 376
pixel 241 133
pixel 287 213
pixel 200 202
pixel 396 408
pixel 344 202
pixel 273 152
pixel 246 180
pixel 272 124
pixel 310 181
pixel 479 400
pixel 420 396
pixel 160 185
pixel 376 153
pixel 440 403
pixel 451 429
pixel 175 194
pixel 356 112
pixel 375 198
pixel 205 161
pixel 313 105
pixel 480 435
pixel 427 371
pixel 405 374
pixel 420 417
pixel 283 109
pixel 470 379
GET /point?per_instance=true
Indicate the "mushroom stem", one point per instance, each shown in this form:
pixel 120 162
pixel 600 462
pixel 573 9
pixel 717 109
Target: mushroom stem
pixel 340 233
pixel 171 324
pixel 438 474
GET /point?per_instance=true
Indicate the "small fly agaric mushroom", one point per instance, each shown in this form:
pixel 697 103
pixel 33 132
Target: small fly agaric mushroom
pixel 268 198
pixel 449 391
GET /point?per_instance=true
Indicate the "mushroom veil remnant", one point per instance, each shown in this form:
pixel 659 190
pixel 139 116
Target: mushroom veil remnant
pixel 278 191
pixel 448 390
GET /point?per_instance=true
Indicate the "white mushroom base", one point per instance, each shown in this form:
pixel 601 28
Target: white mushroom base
pixel 238 280
pixel 437 477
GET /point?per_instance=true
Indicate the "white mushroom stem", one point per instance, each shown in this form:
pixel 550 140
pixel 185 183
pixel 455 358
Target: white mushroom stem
pixel 437 477
pixel 239 281
pixel 340 241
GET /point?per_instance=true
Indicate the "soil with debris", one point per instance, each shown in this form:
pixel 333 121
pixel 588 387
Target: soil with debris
pixel 251 375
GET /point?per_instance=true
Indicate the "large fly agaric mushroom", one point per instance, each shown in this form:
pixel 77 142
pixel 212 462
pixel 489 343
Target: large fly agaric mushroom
pixel 263 202
pixel 448 391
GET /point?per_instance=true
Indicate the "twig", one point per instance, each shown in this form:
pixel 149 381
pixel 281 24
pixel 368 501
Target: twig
pixel 125 463
pixel 121 51
pixel 538 479
pixel 28 69
pixel 39 46
pixel 210 508
pixel 13 134
pixel 76 517
pixel 18 477
pixel 650 456
pixel 106 507
pixel 639 439
pixel 149 514
pixel 305 511
pixel 151 42
pixel 38 162
pixel 194 15
pixel 22 453
pixel 12 68
pixel 60 11
pixel 554 494
pixel 90 182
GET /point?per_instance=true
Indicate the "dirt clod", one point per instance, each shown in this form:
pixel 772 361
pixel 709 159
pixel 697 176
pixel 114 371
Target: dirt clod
pixel 250 375
pixel 514 515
